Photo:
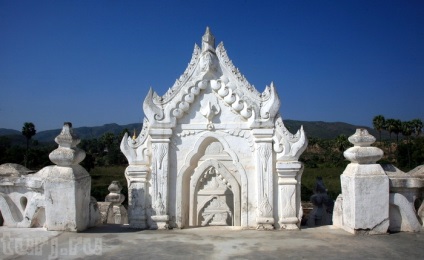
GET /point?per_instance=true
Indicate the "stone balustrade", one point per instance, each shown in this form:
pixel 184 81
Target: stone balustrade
pixel 56 197
pixel 376 199
pixel 112 211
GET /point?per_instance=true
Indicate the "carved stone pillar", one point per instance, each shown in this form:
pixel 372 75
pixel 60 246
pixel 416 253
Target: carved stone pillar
pixel 67 185
pixel 365 188
pixel 289 174
pixel 137 189
pixel 264 170
pixel 159 179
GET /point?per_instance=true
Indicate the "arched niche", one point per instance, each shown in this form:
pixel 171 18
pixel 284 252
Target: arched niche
pixel 188 169
pixel 226 186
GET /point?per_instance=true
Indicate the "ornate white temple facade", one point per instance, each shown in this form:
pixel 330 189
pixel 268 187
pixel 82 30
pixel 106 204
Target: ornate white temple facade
pixel 214 151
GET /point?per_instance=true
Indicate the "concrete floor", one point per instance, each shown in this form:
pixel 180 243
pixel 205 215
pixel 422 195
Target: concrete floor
pixel 120 242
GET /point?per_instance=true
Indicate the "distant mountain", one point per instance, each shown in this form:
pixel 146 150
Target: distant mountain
pixel 4 131
pixel 88 132
pixel 327 130
pixel 14 137
pixel 313 129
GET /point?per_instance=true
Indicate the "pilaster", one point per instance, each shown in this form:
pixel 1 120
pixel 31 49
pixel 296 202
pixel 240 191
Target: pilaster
pixel 264 171
pixel 289 175
pixel 137 176
pixel 160 139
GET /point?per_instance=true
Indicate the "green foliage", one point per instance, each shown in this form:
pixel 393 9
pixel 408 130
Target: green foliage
pixel 28 130
pixel 397 128
pixel 379 123
pixel 323 157
pixel 418 126
pixel 38 156
pixel 410 154
pixel 390 126
pixel 102 177
pixel 5 144
pixel 103 151
pixel 13 154
pixel 406 154
pixel 88 133
pixel 330 177
pixel 407 128
pixel 393 126
pixel 323 153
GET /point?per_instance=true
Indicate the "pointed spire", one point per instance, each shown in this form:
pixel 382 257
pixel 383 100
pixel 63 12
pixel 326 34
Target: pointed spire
pixel 67 154
pixel 208 41
pixel 134 135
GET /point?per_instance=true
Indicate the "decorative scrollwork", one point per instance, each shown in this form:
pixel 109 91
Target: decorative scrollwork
pixel 265 207
pixel 182 79
pixel 286 145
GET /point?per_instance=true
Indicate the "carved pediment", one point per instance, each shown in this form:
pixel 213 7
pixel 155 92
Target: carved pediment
pixel 288 147
pixel 213 183
pixel 211 70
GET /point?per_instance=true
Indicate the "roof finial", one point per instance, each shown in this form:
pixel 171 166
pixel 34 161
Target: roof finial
pixel 208 41
pixel 134 135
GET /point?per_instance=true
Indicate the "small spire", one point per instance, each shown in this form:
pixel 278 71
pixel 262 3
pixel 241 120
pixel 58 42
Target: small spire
pixel 134 135
pixel 67 154
pixel 208 41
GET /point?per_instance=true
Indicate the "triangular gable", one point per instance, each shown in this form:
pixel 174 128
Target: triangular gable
pixel 210 68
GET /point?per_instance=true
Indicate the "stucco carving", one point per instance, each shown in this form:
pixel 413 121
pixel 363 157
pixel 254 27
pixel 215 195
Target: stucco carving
pixel 37 199
pixel 211 152
pixel 288 147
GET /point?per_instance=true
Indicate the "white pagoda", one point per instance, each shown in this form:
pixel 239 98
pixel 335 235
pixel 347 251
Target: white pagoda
pixel 214 151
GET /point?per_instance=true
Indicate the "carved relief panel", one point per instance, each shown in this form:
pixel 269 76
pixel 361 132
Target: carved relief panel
pixel 214 200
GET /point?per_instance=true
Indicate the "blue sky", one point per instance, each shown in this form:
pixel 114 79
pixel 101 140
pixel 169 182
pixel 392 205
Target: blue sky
pixel 92 62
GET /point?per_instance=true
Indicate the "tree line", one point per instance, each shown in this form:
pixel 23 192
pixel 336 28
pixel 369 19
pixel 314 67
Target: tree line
pixel 406 128
pixel 102 151
pixel 406 153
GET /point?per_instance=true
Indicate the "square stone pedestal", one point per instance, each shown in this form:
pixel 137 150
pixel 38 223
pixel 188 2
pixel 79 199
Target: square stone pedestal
pixel 365 190
pixel 67 198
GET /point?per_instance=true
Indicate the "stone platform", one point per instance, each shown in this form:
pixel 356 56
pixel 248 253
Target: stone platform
pixel 121 242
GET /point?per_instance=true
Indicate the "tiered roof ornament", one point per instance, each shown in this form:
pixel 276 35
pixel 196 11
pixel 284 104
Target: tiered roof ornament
pixel 213 105
pixel 211 68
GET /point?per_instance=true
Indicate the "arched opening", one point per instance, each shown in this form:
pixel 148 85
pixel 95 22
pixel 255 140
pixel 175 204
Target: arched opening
pixel 211 150
pixel 214 196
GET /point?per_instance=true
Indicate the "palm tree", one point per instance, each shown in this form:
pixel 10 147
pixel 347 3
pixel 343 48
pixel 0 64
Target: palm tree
pixel 418 126
pixel 408 128
pixel 379 123
pixel 397 129
pixel 341 143
pixel 107 139
pixel 390 126
pixel 28 130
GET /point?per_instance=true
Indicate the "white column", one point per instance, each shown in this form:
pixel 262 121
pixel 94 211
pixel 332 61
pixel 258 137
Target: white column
pixel 289 174
pixel 159 179
pixel 67 185
pixel 137 189
pixel 365 188
pixel 264 171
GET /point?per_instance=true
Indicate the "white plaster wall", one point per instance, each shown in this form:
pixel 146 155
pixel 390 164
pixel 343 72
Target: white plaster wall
pixel 188 135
